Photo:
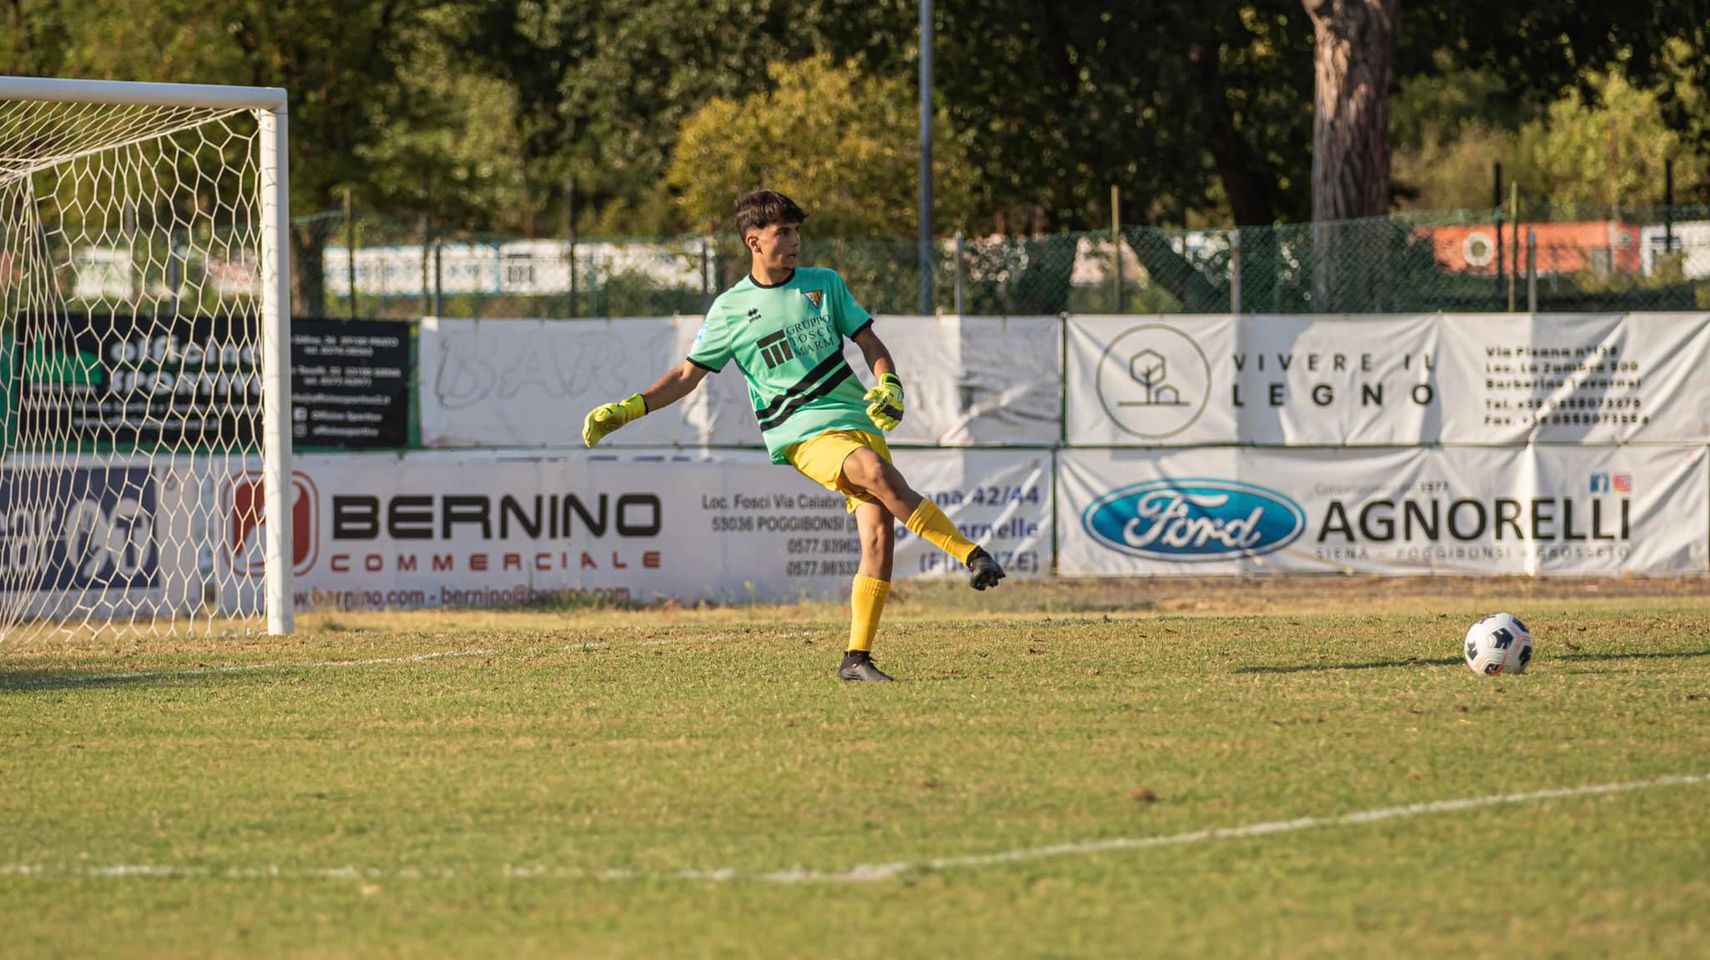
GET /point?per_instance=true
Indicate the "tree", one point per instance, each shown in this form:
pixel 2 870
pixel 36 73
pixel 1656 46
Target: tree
pixel 603 86
pixel 341 60
pixel 1541 50
pixel 1189 107
pixel 33 37
pixel 842 143
pixel 1354 41
pixel 1606 151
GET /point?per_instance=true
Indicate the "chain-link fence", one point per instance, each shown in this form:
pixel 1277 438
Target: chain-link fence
pixel 1558 261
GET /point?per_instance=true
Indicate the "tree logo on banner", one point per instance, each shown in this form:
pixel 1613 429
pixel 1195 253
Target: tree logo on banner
pixel 1153 381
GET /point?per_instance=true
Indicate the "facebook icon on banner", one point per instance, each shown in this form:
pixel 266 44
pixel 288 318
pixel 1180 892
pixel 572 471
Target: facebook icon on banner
pixel 1607 482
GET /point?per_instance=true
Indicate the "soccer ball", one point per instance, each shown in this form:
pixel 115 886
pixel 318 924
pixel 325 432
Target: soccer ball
pixel 1498 644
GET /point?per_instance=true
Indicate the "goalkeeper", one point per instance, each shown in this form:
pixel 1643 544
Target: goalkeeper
pixel 784 326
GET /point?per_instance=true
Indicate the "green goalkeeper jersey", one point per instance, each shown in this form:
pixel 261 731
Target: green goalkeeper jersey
pixel 787 339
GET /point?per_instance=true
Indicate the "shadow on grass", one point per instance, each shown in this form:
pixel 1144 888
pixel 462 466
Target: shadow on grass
pixel 1375 665
pixel 1651 655
pixel 1451 661
pixel 36 680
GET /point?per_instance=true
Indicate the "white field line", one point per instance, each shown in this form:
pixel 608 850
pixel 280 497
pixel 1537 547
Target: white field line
pixel 861 873
pixel 679 641
pixel 74 679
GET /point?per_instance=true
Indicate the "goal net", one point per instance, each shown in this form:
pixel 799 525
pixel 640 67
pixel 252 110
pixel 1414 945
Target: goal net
pixel 143 358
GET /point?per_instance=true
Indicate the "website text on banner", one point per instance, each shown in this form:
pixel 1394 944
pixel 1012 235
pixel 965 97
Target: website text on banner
pixel 1539 510
pixel 1388 380
pixel 524 383
pixel 487 528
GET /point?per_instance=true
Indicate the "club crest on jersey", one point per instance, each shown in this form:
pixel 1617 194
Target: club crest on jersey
pixel 814 297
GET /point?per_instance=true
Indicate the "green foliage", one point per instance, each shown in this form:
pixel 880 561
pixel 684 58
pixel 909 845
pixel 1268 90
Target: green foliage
pixel 843 145
pixel 1590 151
pixel 603 87
pixel 474 114
pixel 33 37
pixel 1608 149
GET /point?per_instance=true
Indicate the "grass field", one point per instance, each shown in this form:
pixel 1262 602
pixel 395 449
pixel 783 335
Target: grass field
pixel 1146 769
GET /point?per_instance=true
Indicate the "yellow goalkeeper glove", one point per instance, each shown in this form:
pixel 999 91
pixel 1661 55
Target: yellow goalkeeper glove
pixel 885 402
pixel 604 419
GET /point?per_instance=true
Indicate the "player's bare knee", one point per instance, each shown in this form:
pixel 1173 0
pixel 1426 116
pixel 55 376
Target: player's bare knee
pixel 861 468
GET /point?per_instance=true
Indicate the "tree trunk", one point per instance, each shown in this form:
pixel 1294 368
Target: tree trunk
pixel 1354 48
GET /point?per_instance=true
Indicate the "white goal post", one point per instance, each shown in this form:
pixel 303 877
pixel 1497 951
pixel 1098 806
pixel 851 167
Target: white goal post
pixel 145 413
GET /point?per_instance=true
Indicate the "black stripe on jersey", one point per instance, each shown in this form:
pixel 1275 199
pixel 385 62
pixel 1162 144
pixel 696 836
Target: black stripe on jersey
pixel 702 365
pixel 825 367
pixel 789 410
pixel 864 326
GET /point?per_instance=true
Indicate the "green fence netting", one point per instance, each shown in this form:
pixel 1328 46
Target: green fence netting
pixel 1558 260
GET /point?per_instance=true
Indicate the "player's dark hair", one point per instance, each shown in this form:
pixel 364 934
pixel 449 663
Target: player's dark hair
pixel 759 209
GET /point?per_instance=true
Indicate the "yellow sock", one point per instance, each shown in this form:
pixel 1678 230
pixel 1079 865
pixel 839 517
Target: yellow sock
pixel 867 601
pixel 930 524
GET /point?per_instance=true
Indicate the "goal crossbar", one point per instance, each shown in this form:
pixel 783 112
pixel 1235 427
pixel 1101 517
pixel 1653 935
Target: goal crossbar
pixel 124 92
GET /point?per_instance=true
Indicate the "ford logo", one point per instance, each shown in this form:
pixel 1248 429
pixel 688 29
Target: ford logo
pixel 1194 519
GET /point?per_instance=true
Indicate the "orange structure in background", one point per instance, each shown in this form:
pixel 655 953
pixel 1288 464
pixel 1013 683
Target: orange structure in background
pixel 1601 246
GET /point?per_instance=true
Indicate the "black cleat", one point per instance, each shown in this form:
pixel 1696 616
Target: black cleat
pixel 858 665
pixel 984 571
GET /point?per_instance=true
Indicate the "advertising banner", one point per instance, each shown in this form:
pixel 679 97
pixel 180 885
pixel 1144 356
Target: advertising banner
pixel 528 383
pixel 127 381
pixel 1455 510
pixel 350 383
pixel 175 384
pixel 440 529
pixel 91 538
pixel 987 381
pixel 1387 380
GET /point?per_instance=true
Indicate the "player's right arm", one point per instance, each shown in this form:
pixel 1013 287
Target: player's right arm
pixel 673 386
pixel 709 355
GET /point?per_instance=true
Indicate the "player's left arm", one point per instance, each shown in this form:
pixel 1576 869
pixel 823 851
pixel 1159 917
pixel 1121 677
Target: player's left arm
pixel 885 401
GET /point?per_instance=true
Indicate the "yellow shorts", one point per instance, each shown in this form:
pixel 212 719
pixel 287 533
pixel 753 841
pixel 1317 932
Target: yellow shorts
pixel 820 459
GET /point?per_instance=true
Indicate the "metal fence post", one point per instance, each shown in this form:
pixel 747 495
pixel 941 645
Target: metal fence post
pixel 427 241
pixel 961 272
pixel 439 277
pixel 1235 270
pixel 1513 231
pixel 1116 247
pixel 706 275
pixel 1531 270
pixel 350 251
